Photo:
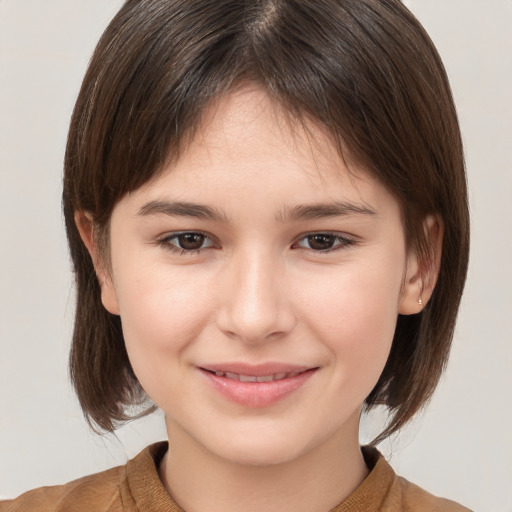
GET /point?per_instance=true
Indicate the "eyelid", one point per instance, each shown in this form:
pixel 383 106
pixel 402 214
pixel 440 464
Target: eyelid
pixel 346 240
pixel 164 241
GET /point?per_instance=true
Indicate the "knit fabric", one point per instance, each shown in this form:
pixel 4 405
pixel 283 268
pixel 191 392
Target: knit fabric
pixel 136 487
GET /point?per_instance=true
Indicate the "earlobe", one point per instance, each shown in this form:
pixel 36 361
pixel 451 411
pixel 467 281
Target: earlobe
pixel 422 273
pixel 85 226
pixel 414 297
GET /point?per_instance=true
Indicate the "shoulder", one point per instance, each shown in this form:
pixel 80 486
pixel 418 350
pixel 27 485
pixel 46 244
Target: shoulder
pixel 385 491
pixel 134 486
pixel 418 500
pixel 101 491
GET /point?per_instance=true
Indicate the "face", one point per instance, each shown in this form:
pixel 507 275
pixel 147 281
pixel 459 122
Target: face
pixel 258 283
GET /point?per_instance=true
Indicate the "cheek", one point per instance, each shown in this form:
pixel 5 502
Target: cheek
pixel 161 312
pixel 354 313
pixel 361 299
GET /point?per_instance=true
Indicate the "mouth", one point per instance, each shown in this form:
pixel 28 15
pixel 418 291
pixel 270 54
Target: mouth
pixel 256 378
pixel 257 386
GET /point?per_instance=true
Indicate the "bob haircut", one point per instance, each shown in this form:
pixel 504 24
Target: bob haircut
pixel 365 70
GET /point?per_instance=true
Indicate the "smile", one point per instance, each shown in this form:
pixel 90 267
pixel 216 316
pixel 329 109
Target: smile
pixel 256 386
pixel 255 378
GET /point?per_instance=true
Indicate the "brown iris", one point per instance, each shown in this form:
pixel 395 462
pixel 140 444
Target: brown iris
pixel 190 241
pixel 321 242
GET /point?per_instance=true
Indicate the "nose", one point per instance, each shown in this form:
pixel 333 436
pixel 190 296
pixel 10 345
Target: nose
pixel 254 305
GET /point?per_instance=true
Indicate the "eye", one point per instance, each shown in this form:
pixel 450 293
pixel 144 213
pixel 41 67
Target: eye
pixel 324 242
pixel 187 242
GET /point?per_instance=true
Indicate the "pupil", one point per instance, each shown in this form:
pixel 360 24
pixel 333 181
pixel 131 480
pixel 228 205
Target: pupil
pixel 321 242
pixel 191 241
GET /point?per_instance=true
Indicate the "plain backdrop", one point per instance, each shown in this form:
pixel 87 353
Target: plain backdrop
pixel 460 448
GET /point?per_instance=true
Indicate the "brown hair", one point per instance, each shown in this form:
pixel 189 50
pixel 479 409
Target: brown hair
pixel 364 69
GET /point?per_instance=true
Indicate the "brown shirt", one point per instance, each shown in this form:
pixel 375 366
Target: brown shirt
pixel 136 487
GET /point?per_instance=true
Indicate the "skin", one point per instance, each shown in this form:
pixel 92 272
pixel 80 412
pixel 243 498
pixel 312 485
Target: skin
pixel 255 293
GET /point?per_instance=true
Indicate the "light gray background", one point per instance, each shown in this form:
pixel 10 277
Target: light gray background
pixel 461 447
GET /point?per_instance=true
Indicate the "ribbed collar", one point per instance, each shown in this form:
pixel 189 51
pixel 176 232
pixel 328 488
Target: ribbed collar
pixel 150 495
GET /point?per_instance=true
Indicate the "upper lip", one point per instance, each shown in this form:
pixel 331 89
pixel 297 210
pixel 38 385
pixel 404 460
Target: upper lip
pixel 256 370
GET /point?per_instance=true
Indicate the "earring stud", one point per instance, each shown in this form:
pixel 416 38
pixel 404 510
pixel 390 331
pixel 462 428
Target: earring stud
pixel 420 302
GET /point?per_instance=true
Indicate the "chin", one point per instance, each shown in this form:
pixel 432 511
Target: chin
pixel 253 448
pixel 259 454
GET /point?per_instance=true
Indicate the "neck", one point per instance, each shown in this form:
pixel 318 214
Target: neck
pixel 319 479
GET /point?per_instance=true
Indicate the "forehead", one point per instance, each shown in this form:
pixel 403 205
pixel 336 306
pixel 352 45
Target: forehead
pixel 247 142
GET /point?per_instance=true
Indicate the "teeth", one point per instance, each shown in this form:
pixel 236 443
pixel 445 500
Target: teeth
pixel 253 378
pixel 265 378
pixel 248 378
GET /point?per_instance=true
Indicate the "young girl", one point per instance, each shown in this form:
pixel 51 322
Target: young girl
pixel 266 210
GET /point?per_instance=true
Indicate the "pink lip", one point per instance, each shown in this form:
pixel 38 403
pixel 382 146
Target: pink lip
pixel 256 394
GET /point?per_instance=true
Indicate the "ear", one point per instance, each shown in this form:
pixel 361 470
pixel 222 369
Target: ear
pixel 85 226
pixel 421 275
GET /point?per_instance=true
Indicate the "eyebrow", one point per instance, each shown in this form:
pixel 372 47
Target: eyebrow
pixel 299 212
pixel 182 209
pixel 324 210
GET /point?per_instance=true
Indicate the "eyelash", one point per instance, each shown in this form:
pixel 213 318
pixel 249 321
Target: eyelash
pixel 165 242
pixel 342 242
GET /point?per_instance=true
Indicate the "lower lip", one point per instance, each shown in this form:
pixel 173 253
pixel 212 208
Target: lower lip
pixel 257 394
